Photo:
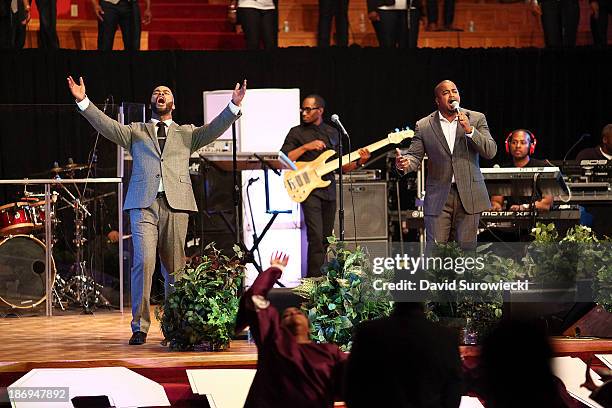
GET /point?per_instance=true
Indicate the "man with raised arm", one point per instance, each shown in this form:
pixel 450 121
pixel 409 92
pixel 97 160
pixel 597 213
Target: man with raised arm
pixel 292 371
pixel 160 195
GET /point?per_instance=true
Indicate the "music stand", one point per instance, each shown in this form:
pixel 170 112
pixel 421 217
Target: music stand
pixel 265 164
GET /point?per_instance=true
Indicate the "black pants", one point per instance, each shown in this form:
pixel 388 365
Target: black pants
pixel 125 15
pixel 47 36
pixel 12 32
pixel 449 11
pixel 328 9
pixel 319 216
pixel 392 30
pixel 258 26
pixel 599 23
pixel 560 22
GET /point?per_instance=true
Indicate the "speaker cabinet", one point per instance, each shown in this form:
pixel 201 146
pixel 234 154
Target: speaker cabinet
pixel 365 211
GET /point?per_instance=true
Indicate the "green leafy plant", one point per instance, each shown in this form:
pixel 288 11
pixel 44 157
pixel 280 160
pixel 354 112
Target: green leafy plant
pixel 343 297
pixel 579 254
pixel 481 309
pixel 200 313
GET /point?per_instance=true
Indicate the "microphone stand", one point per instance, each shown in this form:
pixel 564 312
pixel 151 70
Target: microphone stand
pixel 584 135
pixel 341 186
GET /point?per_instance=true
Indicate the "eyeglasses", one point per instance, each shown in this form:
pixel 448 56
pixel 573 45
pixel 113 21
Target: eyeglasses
pixel 308 109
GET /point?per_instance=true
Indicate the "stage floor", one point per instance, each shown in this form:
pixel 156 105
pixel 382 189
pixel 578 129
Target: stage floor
pixel 101 340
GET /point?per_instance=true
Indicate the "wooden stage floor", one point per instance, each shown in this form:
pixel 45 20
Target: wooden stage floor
pixel 101 340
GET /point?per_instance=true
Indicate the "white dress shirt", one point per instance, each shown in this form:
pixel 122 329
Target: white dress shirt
pixel 257 4
pixel 450 132
pixel 399 5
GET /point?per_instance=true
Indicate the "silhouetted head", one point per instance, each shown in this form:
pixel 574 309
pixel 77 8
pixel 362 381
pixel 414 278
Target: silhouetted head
pixel 516 358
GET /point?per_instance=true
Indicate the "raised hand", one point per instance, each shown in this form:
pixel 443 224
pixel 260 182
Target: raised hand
pixel 279 259
pixel 77 90
pixel 239 92
pixel 401 162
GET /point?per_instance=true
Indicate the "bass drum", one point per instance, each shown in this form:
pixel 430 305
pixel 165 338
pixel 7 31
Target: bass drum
pixel 22 272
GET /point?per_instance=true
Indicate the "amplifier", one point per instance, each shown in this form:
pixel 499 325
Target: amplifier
pixel 360 175
pixel 365 211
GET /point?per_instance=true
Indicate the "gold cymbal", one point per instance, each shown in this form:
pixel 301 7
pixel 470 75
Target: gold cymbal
pixel 68 168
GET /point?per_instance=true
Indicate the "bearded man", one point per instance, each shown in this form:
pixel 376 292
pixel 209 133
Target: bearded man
pixel 160 195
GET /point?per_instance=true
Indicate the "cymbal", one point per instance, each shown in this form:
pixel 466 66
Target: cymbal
pixel 68 168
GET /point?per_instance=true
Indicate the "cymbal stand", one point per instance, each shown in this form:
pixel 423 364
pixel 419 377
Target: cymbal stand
pixel 82 289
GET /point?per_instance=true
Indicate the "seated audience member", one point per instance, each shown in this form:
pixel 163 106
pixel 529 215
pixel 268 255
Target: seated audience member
pixel 403 360
pixel 601 152
pixel 292 371
pixel 520 145
pixel 516 369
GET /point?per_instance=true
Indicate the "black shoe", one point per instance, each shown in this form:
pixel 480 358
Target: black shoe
pixel 452 28
pixel 138 338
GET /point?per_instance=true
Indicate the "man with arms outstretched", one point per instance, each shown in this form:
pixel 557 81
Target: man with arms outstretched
pixel 159 195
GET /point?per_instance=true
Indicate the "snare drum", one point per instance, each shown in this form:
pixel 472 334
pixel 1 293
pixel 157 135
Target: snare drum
pixel 16 218
pixel 22 272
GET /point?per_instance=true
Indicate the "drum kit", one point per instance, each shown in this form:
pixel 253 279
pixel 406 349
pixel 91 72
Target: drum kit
pixel 22 250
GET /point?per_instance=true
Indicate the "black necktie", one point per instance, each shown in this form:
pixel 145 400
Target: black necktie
pixel 161 135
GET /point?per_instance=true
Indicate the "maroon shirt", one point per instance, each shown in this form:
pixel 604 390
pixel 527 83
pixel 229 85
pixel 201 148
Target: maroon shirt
pixel 289 375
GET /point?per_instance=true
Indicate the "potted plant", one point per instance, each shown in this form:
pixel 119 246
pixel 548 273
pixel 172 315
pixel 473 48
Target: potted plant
pixel 473 314
pixel 200 313
pixel 343 297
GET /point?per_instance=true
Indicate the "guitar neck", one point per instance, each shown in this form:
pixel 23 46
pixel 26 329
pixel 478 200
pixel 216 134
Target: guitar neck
pixel 352 156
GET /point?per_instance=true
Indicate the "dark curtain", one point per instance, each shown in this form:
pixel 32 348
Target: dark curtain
pixel 558 94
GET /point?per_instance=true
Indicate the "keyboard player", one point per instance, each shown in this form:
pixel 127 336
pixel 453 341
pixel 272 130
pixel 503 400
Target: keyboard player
pixel 520 146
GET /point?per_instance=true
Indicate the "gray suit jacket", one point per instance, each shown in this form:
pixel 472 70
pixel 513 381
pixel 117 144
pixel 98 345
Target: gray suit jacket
pixel 463 163
pixel 140 139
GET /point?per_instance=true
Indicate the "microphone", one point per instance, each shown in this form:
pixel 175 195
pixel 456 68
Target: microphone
pixel 336 119
pixel 455 106
pixel 252 180
pixel 583 136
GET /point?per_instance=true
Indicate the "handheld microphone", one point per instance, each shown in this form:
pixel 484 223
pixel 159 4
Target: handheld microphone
pixel 583 136
pixel 455 106
pixel 336 119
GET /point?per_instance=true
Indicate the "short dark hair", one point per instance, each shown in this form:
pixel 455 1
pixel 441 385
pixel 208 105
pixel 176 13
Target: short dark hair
pixel 318 100
pixel 438 86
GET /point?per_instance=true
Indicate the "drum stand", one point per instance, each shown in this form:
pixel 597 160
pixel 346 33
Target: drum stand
pixel 82 289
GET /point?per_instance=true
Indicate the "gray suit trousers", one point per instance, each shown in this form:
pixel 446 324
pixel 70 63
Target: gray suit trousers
pixel 453 223
pixel 156 229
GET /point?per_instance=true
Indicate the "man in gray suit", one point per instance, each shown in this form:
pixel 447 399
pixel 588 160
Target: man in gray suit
pixel 453 139
pixel 159 195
